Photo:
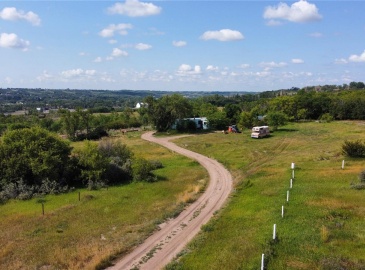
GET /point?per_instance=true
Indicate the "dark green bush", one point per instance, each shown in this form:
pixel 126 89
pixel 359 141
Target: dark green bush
pixel 353 148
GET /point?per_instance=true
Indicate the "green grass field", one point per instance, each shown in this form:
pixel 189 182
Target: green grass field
pixel 324 221
pixel 323 225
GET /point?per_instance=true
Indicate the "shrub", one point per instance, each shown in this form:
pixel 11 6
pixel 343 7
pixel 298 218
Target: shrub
pixel 142 170
pixel 354 148
pixel 326 118
pixel 362 177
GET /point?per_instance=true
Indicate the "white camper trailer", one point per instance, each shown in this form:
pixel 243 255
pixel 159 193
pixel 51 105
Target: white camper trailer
pixel 260 132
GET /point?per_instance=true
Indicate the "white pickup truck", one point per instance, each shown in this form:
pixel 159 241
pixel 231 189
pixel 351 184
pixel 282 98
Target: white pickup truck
pixel 260 132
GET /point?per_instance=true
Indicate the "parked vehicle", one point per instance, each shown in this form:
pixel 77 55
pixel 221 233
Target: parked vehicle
pixel 260 132
pixel 233 129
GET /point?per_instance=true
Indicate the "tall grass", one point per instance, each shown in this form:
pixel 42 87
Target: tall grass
pixel 323 225
pixel 75 234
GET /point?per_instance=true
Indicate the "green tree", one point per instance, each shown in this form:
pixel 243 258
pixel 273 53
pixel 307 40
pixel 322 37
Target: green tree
pixel 246 120
pixel 32 155
pixel 276 119
pixel 93 165
pixel 71 123
pixel 165 111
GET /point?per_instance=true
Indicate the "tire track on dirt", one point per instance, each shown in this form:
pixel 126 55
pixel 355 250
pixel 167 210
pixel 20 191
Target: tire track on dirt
pixel 161 247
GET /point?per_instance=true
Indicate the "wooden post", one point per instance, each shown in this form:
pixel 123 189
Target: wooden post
pixel 343 164
pixel 79 196
pixel 287 196
pixel 291 183
pixel 43 209
pixel 282 211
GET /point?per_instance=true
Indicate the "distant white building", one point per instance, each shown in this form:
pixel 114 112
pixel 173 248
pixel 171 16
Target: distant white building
pixel 140 105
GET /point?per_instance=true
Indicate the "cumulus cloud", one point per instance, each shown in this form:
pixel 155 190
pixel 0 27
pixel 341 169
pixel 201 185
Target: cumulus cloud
pixel 13 41
pixel 121 29
pixel 142 46
pixel 223 35
pixel 212 68
pixel 118 52
pixel 300 11
pixel 12 14
pixel 179 43
pixel 297 61
pixel 134 8
pixel 185 70
pixel 357 58
pixel 78 73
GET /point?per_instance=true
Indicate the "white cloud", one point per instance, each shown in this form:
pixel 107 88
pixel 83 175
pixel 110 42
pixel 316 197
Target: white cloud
pixel 12 41
pixel 357 58
pixel 98 59
pixel 134 8
pixel 341 61
pixel 118 52
pixel 12 14
pixel 212 68
pixel 300 11
pixel 179 43
pixel 115 28
pixel 270 65
pixel 78 73
pixel 274 23
pixel 185 70
pixel 244 66
pixel 142 46
pixel 44 76
pixel 223 35
pixel 297 61
pixel 112 41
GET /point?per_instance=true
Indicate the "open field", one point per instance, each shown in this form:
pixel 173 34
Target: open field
pixel 75 234
pixel 323 225
pixel 324 221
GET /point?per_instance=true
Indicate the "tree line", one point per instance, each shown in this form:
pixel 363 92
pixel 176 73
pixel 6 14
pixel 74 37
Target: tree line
pixel 34 159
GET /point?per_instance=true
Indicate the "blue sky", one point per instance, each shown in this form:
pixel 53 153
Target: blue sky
pixel 181 45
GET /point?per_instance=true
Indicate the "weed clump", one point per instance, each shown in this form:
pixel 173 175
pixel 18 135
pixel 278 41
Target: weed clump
pixel 354 148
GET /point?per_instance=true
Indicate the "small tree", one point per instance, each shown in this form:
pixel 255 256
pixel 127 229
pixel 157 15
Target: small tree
pixel 276 119
pixel 93 165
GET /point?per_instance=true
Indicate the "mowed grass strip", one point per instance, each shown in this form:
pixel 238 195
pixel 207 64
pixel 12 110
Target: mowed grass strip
pixel 75 234
pixel 323 224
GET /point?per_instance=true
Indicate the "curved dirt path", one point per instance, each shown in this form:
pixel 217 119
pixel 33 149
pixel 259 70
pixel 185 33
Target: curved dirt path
pixel 161 247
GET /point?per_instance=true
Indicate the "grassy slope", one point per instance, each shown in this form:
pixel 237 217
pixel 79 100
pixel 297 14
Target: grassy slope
pixel 77 234
pixel 323 226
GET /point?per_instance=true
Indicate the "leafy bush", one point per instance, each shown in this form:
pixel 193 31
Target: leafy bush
pixel 142 170
pixel 326 118
pixel 354 148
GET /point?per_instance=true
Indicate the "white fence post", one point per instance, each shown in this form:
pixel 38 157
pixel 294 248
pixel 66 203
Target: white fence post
pixel 274 232
pixel 262 261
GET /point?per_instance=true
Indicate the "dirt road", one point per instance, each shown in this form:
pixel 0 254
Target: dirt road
pixel 161 247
